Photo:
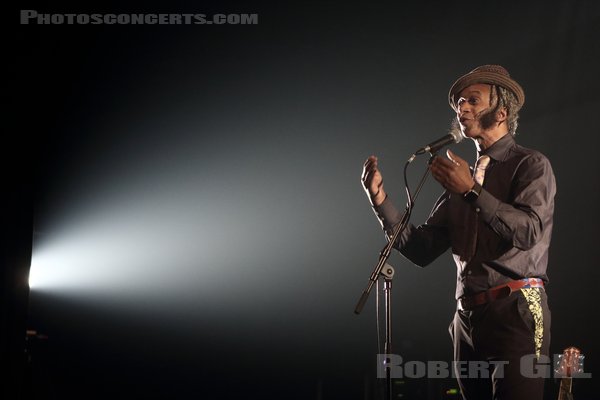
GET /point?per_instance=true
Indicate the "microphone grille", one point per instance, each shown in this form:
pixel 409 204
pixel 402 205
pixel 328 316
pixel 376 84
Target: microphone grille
pixel 456 134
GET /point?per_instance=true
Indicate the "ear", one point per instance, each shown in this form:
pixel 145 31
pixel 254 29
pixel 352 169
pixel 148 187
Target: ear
pixel 501 115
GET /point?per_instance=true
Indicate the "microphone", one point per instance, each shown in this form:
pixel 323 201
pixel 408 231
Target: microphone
pixel 453 137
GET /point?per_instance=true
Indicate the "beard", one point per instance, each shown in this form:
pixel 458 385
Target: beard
pixel 487 118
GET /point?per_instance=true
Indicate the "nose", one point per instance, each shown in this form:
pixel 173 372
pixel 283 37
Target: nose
pixel 462 108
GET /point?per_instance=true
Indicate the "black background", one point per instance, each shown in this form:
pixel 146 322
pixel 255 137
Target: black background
pixel 280 116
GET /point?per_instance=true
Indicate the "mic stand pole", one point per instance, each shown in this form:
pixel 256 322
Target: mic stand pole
pixel 388 275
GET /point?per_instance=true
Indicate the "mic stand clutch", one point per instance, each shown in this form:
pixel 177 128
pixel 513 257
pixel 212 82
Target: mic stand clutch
pixel 383 269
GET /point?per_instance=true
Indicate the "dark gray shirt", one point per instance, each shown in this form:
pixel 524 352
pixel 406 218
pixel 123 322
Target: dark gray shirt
pixel 513 219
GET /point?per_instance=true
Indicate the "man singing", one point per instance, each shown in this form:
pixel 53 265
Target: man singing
pixel 497 219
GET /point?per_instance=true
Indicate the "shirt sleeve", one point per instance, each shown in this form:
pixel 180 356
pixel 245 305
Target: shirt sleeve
pixel 421 244
pixel 521 222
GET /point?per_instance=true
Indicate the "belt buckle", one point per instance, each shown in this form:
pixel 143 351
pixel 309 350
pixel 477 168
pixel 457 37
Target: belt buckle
pixel 532 283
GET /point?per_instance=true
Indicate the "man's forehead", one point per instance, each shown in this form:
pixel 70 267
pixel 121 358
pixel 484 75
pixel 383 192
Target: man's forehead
pixel 477 88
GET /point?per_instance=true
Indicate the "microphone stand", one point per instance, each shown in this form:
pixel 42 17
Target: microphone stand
pixel 386 271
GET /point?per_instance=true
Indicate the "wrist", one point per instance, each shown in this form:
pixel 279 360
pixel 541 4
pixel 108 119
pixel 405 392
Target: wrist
pixel 378 198
pixel 472 194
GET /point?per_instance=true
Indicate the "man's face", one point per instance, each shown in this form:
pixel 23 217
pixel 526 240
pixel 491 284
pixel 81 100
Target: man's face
pixel 473 104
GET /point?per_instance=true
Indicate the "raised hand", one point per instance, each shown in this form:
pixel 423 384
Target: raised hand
pixel 452 173
pixel 372 181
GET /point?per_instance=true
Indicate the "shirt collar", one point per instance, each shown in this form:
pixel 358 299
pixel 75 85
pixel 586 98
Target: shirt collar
pixel 498 150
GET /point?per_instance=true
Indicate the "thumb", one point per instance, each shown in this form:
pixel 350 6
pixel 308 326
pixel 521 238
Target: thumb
pixel 454 158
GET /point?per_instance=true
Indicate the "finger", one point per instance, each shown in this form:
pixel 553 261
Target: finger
pixel 443 164
pixel 441 173
pixel 454 158
pixel 370 160
pixel 437 172
pixel 367 164
pixel 369 170
pixel 439 177
pixel 370 165
pixel 369 175
pixel 443 161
